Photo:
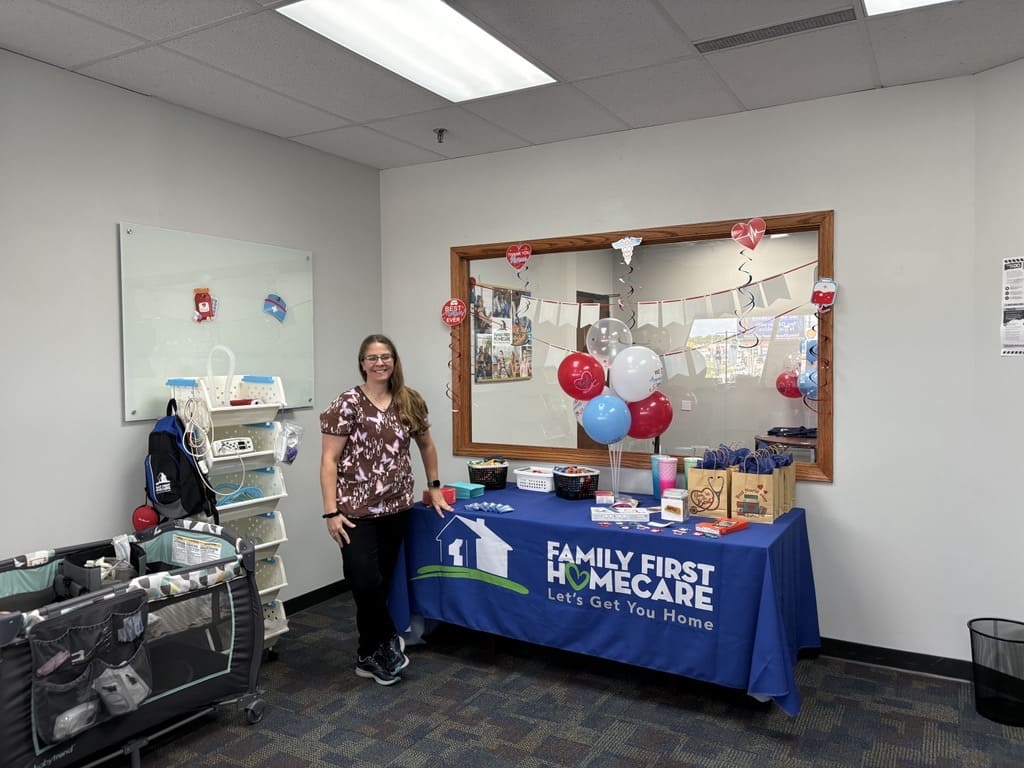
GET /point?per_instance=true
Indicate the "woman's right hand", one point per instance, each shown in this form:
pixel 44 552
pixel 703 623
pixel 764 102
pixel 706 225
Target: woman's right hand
pixel 336 528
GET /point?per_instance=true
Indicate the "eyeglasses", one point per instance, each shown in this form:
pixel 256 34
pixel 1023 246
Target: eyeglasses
pixel 375 358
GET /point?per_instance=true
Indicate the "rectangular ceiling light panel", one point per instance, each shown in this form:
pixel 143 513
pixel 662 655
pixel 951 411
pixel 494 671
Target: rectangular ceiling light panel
pixel 425 41
pixel 875 7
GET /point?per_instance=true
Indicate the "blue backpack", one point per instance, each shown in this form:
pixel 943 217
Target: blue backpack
pixel 176 486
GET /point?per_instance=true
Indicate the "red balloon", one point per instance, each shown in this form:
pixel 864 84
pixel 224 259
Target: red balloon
pixel 787 384
pixel 651 416
pixel 581 376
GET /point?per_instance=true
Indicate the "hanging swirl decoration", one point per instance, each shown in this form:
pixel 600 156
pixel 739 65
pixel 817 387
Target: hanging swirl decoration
pixel 626 245
pixel 453 312
pixel 748 336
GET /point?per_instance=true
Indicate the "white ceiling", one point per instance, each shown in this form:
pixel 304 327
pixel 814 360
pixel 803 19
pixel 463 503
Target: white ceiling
pixel 619 64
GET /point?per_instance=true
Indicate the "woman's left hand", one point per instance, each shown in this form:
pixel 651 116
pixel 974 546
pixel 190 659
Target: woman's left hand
pixel 438 503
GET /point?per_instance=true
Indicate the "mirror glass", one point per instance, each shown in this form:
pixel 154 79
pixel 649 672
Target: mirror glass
pixel 742 349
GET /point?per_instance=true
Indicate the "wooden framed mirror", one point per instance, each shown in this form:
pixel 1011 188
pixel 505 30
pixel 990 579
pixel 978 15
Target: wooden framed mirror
pixel 726 321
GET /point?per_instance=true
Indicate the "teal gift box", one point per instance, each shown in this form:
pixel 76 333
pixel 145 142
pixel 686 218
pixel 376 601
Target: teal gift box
pixel 467 490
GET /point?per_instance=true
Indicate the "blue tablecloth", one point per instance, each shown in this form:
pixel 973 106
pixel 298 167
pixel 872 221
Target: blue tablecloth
pixel 733 610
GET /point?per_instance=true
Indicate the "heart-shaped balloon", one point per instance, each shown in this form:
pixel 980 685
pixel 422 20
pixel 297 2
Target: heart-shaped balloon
pixel 748 234
pixel 518 255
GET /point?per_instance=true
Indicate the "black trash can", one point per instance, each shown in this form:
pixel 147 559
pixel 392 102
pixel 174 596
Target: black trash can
pixel 997 656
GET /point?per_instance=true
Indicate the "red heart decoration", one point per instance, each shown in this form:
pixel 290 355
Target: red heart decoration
pixel 748 234
pixel 518 255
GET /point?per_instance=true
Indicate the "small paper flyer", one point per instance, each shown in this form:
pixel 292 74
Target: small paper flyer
pixel 1012 330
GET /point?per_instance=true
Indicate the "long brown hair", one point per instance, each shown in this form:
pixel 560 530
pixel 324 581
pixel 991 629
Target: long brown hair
pixel 412 409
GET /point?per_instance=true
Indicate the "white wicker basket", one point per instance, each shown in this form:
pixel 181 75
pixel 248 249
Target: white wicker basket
pixel 535 479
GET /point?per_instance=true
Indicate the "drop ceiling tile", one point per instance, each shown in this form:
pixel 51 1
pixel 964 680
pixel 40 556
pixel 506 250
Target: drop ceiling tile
pixel 159 19
pixel 947 40
pixel 703 20
pixel 810 65
pixel 549 113
pixel 179 80
pixel 57 37
pixel 666 93
pixel 465 133
pixel 275 52
pixel 574 39
pixel 366 146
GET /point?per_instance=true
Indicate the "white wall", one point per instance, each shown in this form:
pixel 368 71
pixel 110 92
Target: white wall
pixel 925 181
pixel 76 157
pixel 925 411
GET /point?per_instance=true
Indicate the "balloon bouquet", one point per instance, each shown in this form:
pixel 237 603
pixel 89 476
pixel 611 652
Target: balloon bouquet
pixel 630 404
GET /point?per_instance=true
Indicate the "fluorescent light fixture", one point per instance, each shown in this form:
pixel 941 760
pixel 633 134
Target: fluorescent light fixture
pixel 425 41
pixel 875 7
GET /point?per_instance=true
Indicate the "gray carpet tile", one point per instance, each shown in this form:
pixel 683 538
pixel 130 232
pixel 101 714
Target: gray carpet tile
pixel 470 700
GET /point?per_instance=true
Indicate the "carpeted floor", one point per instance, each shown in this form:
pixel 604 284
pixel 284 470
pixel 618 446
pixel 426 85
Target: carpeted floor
pixel 473 701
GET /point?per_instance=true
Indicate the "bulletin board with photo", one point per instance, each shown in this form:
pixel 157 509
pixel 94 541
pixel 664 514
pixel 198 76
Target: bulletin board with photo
pixel 502 335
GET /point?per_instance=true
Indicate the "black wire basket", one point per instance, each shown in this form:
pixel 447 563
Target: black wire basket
pixel 574 482
pixel 490 475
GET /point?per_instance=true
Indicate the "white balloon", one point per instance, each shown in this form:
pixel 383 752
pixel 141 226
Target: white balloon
pixel 636 373
pixel 606 338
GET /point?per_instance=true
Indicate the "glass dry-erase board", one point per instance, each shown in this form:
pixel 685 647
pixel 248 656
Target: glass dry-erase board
pixel 184 294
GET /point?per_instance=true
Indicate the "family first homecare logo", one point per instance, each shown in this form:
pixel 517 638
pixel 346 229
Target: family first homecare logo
pixel 471 550
pixel 654 587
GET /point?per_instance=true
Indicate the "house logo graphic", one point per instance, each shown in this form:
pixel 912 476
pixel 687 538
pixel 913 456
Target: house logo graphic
pixel 468 549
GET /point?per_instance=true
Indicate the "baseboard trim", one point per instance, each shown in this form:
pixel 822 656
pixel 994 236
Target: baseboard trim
pixel 317 596
pixel 840 649
pixel 904 660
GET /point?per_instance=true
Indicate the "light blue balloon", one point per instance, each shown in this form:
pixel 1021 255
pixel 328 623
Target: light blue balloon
pixel 807 383
pixel 606 418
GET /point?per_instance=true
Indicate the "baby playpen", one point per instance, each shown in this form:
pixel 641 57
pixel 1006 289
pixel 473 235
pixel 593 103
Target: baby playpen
pixel 104 643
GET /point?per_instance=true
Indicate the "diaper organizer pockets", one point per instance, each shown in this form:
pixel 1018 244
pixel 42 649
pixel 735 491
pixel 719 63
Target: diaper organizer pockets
pixel 89 665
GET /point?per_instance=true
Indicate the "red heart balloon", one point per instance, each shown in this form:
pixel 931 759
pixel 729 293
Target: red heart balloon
pixel 518 255
pixel 748 234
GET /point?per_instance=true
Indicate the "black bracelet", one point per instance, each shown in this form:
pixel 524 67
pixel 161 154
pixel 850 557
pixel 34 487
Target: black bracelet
pixel 330 515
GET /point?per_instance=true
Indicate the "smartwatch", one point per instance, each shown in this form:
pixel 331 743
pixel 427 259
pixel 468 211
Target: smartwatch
pixel 433 483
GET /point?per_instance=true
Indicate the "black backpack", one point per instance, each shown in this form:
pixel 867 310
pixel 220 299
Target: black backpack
pixel 176 486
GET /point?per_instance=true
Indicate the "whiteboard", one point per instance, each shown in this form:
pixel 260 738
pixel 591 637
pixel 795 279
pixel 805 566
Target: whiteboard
pixel 262 311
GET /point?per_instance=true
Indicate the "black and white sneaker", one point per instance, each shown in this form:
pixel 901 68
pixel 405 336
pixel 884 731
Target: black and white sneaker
pixel 375 667
pixel 393 653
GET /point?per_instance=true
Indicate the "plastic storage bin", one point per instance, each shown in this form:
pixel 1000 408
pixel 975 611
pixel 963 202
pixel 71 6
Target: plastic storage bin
pixel 535 479
pixel 240 494
pixel 574 482
pixel 265 530
pixel 270 578
pixel 997 655
pixel 275 622
pixel 217 392
pixel 492 474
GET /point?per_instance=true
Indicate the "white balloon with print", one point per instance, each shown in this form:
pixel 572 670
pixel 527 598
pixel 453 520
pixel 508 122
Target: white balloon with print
pixel 636 373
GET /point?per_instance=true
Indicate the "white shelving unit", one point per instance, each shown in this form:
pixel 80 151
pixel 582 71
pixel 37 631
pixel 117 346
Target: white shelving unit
pixel 249 485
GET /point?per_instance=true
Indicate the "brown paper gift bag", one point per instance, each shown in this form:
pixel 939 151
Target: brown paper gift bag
pixel 708 492
pixel 756 498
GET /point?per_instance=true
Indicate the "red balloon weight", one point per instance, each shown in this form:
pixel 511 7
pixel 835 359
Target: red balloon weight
pixel 651 416
pixel 581 376
pixel 787 385
pixel 144 517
